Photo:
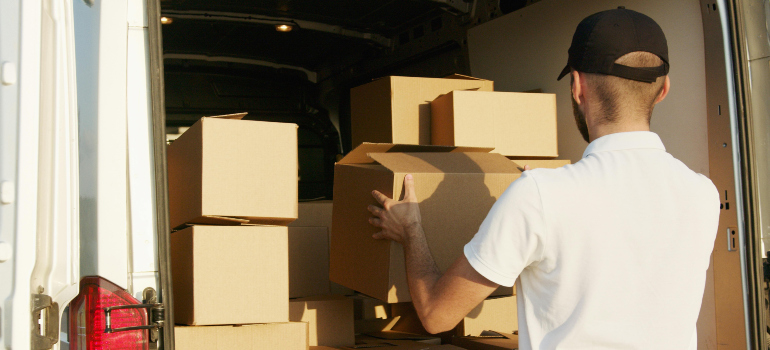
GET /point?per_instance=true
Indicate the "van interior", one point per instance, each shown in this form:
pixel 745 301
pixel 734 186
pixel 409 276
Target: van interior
pixel 295 61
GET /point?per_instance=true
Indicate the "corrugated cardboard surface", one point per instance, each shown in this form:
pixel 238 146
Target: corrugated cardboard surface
pixel 357 261
pixel 272 336
pixel 234 168
pixel 541 163
pixel 319 213
pixel 369 308
pixel 308 261
pixel 506 342
pixel 498 314
pixel 230 275
pixel 455 195
pixel 330 319
pixel 397 109
pixel 314 213
pixel 522 124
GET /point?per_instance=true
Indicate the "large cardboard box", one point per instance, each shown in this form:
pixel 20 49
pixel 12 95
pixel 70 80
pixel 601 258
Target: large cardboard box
pixel 514 123
pixel 285 336
pixel 494 341
pixel 228 172
pixel 456 187
pixel 308 261
pixel 330 319
pixel 397 109
pixel 230 274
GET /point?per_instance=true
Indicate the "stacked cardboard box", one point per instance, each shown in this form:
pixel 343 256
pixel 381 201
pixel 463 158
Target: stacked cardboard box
pixel 309 252
pixel 233 189
pixel 316 300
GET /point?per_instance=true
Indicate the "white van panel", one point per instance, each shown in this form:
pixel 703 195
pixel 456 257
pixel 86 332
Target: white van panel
pixel 38 162
pixel 143 255
pixel 527 49
pixel 19 22
pixel 101 50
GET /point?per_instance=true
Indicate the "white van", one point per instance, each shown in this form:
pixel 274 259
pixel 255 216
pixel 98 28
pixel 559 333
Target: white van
pixel 84 119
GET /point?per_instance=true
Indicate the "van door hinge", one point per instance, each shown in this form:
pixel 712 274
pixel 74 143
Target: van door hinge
pixel 45 322
pixel 156 314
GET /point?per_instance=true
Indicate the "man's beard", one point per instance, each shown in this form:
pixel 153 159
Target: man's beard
pixel 580 119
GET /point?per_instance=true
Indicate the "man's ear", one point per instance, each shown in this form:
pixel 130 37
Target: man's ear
pixel 664 91
pixel 577 86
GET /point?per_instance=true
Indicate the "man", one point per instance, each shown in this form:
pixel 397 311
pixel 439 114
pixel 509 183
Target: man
pixel 610 252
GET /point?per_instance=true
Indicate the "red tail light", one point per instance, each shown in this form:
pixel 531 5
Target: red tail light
pixel 88 323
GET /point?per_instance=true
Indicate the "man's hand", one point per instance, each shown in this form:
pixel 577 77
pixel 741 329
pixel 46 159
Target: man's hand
pixel 440 301
pixel 399 220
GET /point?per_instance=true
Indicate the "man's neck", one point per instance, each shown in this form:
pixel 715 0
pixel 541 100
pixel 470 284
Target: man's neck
pixel 597 131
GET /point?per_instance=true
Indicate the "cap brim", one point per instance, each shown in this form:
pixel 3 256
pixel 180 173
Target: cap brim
pixel 564 72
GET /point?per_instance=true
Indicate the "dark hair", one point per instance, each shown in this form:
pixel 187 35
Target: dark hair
pixel 619 94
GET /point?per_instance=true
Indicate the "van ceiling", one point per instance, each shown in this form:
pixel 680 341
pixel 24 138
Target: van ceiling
pixel 246 29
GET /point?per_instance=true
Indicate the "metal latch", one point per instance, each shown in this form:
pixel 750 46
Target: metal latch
pixel 156 314
pixel 45 322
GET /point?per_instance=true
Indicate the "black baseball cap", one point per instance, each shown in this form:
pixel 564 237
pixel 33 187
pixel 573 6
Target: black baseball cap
pixel 603 37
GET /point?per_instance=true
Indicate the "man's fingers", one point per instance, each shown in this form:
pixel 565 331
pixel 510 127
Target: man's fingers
pixel 380 197
pixel 375 222
pixel 381 235
pixel 526 167
pixel 409 193
pixel 374 210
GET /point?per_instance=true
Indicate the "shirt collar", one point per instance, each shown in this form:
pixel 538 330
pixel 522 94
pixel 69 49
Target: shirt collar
pixel 624 141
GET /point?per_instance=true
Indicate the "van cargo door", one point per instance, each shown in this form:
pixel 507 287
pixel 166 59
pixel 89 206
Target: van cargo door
pixel 38 171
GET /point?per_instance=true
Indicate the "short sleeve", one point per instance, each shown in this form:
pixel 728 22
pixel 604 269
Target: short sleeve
pixel 511 236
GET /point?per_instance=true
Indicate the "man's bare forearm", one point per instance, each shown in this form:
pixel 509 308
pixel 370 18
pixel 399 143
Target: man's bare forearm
pixel 421 270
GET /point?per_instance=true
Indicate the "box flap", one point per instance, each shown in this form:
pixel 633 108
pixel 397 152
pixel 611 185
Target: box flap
pixel 462 163
pixel 460 76
pixel 237 116
pixel 360 155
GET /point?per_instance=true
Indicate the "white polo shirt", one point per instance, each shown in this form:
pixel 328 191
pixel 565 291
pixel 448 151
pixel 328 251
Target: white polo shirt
pixel 611 251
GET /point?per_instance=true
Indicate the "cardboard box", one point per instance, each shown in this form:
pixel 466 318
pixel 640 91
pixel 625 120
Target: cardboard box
pixel 230 275
pixel 514 123
pixel 308 261
pixel 314 213
pixel 285 336
pixel 397 109
pixel 320 347
pixel 498 341
pixel 228 172
pixel 366 308
pixel 541 163
pixel 456 187
pixel 330 319
pixel 499 314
